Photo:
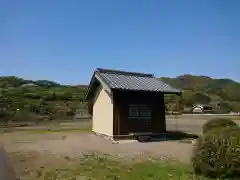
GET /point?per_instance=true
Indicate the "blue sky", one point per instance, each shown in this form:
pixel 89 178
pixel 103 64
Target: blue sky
pixel 66 40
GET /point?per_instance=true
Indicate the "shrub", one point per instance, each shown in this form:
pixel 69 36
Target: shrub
pixel 6 115
pixel 217 154
pixel 25 116
pixel 218 123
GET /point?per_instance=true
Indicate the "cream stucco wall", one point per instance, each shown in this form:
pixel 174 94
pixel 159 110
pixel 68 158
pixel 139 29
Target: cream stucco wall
pixel 102 113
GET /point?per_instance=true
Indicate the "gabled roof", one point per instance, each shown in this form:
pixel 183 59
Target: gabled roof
pixel 203 105
pixel 122 80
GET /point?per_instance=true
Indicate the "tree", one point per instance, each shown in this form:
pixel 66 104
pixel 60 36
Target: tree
pixel 202 98
pixel 188 98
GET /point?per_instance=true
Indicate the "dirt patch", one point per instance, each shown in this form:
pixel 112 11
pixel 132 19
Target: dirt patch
pixel 75 144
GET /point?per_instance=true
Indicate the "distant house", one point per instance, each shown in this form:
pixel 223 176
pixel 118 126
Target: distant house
pixel 126 104
pixel 202 108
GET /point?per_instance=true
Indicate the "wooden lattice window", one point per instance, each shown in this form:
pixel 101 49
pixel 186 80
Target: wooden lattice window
pixel 139 111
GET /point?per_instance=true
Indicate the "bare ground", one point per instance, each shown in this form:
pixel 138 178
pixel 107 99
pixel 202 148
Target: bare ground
pixel 77 143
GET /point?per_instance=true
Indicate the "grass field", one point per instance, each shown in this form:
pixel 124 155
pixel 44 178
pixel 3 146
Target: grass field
pixel 34 166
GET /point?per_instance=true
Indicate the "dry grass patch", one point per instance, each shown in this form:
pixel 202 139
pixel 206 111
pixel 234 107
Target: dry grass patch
pixel 45 130
pixel 55 130
pixel 39 166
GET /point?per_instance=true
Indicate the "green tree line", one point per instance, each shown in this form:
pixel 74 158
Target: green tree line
pixel 51 99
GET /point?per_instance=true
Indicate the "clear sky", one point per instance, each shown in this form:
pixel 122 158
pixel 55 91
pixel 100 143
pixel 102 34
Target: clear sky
pixel 66 40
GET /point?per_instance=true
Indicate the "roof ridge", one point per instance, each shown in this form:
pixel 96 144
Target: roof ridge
pixel 114 71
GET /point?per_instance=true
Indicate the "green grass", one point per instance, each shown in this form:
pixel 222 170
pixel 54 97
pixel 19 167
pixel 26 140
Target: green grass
pixel 98 167
pixel 103 168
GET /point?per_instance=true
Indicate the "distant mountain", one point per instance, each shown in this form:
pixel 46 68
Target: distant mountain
pixel 202 83
pixel 47 83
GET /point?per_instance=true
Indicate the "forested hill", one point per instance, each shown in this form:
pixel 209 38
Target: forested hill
pixel 203 89
pixel 44 97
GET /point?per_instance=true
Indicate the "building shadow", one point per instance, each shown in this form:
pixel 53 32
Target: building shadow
pixel 169 136
pixel 6 170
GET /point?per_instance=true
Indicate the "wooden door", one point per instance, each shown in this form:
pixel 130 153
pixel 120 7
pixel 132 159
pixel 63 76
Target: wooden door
pixel 139 118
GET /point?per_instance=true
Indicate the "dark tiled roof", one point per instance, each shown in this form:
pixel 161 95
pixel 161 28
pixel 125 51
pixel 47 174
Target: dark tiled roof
pixel 204 105
pixel 133 81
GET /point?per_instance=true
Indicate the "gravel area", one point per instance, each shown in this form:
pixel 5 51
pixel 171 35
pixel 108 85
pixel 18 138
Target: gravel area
pixel 74 144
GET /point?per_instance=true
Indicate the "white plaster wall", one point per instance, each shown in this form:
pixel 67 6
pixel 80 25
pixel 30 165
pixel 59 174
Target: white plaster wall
pixel 102 113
